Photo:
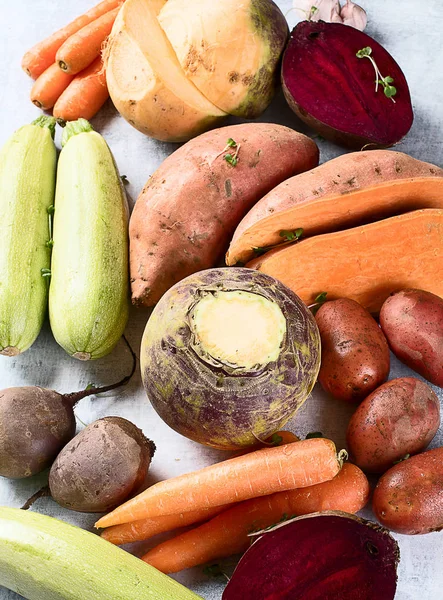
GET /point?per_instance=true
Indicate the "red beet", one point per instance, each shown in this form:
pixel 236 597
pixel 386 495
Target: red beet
pixel 323 556
pixel 333 91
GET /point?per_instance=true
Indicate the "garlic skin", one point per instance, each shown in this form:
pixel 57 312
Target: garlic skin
pixel 352 14
pixel 325 10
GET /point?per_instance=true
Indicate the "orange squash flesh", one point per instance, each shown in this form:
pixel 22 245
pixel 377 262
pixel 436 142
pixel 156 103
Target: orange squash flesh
pixel 365 263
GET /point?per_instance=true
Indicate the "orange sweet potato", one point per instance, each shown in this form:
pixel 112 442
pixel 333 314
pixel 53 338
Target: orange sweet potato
pixel 185 216
pixel 365 263
pixel 345 192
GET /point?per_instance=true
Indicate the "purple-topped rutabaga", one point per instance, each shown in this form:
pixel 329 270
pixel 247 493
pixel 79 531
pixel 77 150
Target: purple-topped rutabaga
pixel 228 356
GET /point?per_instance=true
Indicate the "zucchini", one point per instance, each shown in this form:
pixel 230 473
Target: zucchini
pixel 42 558
pixel 89 291
pixel 27 183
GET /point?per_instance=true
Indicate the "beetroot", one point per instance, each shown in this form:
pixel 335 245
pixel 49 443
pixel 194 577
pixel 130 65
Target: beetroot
pixel 323 556
pixel 334 91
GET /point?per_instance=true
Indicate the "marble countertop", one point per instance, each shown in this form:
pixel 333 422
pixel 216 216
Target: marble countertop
pixel 412 32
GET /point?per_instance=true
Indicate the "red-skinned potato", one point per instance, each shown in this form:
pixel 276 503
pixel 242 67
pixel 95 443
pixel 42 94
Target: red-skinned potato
pixel 409 497
pixel 412 321
pixel 400 417
pixel 355 355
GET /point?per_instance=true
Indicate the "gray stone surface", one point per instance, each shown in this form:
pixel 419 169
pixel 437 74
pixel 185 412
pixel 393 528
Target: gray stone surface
pixel 411 31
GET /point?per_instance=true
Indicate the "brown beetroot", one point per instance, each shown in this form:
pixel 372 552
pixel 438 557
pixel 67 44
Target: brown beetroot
pixel 101 467
pixel 409 497
pixel 412 321
pixel 400 417
pixel 333 91
pixel 355 355
pixel 327 556
pixel 35 424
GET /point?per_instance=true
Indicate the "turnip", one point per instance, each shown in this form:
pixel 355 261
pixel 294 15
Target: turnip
pixel 35 424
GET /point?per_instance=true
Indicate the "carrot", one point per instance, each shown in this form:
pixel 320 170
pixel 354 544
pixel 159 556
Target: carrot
pixel 82 48
pixel 85 95
pixel 259 473
pixel 228 533
pixel 41 56
pixel 143 529
pixel 49 87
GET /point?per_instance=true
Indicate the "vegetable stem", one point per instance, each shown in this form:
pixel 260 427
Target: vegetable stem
pixel 74 128
pixel 46 123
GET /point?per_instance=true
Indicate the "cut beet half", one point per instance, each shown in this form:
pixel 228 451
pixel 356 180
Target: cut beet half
pixel 334 91
pixel 323 556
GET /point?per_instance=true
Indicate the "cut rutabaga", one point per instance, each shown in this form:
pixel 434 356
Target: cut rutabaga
pixel 42 558
pixel 89 292
pixel 146 82
pixel 344 192
pixel 228 356
pixel 27 185
pixel 229 50
pixel 365 263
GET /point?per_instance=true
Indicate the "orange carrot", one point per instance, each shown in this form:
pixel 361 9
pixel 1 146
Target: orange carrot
pixel 259 473
pixel 143 529
pixel 228 533
pixel 85 95
pixel 82 48
pixel 49 87
pixel 138 531
pixel 41 56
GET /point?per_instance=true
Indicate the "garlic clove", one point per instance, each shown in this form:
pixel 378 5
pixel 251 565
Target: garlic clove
pixel 352 14
pixel 319 10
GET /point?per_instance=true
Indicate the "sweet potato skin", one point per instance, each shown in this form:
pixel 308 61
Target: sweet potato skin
pixel 367 263
pixel 401 417
pixel 355 354
pixel 337 179
pixel 412 320
pixel 187 212
pixel 409 497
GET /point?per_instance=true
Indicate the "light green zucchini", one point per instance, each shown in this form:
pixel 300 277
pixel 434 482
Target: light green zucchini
pixel 89 291
pixel 27 183
pixel 42 558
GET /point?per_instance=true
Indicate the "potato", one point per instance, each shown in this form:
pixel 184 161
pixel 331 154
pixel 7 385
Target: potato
pixel 409 497
pixel 186 214
pixel 355 355
pixel 412 321
pixel 400 417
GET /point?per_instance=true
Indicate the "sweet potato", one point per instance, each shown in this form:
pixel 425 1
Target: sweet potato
pixel 409 497
pixel 399 418
pixel 186 214
pixel 366 263
pixel 354 352
pixel 342 193
pixel 412 320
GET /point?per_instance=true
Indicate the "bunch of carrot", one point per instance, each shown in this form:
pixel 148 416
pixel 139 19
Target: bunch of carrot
pixel 234 498
pixel 68 68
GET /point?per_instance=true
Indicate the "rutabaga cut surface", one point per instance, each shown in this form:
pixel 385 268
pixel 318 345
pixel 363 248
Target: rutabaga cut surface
pixel 229 50
pixel 146 81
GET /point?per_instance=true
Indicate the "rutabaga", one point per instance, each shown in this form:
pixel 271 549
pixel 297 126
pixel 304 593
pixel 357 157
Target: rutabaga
pixel 89 292
pixel 27 184
pixel 42 558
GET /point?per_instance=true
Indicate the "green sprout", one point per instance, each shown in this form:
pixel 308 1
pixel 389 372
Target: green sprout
pixel 389 90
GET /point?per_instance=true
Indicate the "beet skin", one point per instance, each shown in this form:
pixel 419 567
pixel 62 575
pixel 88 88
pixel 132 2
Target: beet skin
pixel 323 556
pixel 333 91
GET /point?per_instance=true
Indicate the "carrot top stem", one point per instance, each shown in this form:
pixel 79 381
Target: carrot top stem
pixel 74 128
pixel 46 122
